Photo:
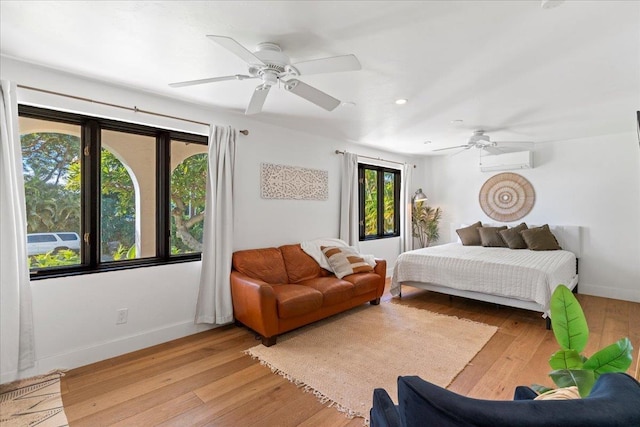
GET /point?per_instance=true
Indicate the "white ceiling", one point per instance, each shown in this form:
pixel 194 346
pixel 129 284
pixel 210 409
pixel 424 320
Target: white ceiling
pixel 521 72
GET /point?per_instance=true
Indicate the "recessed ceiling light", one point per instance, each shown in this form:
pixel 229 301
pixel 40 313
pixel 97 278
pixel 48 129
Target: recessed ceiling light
pixel 349 104
pixel 427 142
pixel 457 121
pixel 401 101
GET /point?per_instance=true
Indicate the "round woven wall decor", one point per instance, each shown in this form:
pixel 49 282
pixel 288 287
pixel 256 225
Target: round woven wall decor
pixel 507 197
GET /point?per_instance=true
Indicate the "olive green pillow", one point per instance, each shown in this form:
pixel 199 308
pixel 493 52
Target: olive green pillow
pixel 469 236
pixel 512 237
pixel 540 239
pixel 490 237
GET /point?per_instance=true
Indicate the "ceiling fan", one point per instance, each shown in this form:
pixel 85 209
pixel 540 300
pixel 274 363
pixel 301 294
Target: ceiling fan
pixel 270 65
pixel 481 140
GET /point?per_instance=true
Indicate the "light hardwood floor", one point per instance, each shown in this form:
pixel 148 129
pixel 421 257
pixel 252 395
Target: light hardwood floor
pixel 206 379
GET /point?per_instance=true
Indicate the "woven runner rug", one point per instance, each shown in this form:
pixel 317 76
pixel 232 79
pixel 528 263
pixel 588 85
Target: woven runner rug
pixel 32 401
pixel 343 358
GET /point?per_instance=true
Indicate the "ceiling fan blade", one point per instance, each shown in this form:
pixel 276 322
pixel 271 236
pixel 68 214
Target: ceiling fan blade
pixel 237 49
pixel 466 147
pixel 210 80
pixel 257 99
pixel 333 64
pixel 312 94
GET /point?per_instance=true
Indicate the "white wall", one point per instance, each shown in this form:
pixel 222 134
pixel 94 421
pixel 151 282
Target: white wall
pixel 591 182
pixel 75 316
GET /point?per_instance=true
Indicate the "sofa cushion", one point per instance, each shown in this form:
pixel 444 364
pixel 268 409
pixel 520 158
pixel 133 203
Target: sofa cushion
pixel 363 282
pixel 296 300
pixel 300 266
pixel 264 264
pixel 612 402
pixel 345 260
pixel 334 291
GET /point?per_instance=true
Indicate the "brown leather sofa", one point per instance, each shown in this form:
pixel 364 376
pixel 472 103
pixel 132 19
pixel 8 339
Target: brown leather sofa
pixel 275 290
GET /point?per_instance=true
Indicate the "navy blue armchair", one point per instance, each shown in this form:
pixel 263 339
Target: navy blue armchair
pixel 614 401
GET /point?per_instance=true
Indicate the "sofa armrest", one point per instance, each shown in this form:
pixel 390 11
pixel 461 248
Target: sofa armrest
pixel 254 304
pixel 383 413
pixel 381 270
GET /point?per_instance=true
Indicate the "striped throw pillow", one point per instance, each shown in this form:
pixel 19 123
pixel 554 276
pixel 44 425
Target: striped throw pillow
pixel 345 261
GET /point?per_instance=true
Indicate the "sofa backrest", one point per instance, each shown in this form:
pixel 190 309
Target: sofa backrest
pixel 264 264
pixel 300 266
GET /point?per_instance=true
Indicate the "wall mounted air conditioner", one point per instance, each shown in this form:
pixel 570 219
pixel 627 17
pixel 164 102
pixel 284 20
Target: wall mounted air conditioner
pixel 507 161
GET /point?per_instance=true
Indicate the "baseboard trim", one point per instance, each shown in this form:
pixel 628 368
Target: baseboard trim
pixel 104 350
pixel 609 292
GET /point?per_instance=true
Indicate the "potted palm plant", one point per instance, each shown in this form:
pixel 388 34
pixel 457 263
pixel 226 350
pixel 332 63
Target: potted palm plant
pixel 425 221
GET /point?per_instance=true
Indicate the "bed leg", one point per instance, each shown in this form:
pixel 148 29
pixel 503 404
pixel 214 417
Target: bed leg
pixel 548 323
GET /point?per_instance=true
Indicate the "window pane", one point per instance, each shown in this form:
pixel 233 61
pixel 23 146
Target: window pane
pixel 127 196
pixel 188 190
pixel 370 202
pixel 51 166
pixel 389 191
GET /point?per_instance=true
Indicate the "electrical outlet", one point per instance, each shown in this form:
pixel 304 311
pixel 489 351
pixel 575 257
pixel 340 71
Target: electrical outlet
pixel 121 316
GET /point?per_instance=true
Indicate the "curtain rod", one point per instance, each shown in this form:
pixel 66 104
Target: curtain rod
pixel 134 108
pixel 375 158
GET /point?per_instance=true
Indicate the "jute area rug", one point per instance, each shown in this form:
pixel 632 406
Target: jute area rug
pixel 32 401
pixel 343 358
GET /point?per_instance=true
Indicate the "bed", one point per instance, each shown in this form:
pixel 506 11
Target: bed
pixel 512 277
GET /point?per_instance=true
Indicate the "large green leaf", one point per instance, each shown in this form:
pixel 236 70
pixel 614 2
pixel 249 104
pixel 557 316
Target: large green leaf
pixel 613 358
pixel 568 321
pixel 582 378
pixel 565 359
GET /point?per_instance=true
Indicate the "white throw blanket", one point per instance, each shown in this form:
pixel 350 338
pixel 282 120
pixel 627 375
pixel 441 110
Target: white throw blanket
pixel 512 273
pixel 312 248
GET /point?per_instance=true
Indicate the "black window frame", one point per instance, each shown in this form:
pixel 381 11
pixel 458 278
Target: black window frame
pixel 91 128
pixel 381 170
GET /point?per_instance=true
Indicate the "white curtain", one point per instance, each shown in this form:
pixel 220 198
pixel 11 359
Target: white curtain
pixel 349 231
pixel 16 319
pixel 214 298
pixel 406 227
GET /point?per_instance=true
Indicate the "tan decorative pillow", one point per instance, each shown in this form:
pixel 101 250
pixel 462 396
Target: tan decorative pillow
pixel 565 393
pixel 344 261
pixel 490 237
pixel 540 239
pixel 512 237
pixel 469 236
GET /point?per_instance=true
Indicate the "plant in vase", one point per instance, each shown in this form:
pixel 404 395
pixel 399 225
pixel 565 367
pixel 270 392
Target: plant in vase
pixel 425 222
pixel 570 367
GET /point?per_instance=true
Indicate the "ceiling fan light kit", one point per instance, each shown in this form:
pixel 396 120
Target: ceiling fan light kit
pixel 272 66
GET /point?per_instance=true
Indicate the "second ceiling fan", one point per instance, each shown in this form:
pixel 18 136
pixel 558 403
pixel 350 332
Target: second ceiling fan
pixel 481 140
pixel 270 65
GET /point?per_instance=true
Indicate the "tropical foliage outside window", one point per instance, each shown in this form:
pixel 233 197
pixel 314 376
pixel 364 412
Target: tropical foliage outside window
pixel 188 192
pixel 120 200
pixel 379 194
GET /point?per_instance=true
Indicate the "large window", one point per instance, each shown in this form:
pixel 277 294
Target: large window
pixel 102 194
pixel 379 197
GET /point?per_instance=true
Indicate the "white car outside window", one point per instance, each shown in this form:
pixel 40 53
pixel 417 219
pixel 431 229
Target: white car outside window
pixel 42 243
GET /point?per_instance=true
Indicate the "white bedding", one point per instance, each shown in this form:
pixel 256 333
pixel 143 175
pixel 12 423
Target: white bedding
pixel 512 273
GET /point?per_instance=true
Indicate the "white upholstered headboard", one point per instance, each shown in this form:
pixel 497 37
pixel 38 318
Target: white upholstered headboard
pixel 569 236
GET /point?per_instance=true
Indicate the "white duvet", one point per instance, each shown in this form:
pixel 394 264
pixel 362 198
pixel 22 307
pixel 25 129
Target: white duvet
pixel 512 273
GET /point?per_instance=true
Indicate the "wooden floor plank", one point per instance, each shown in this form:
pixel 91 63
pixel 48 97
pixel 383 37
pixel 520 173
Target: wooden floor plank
pixel 207 379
